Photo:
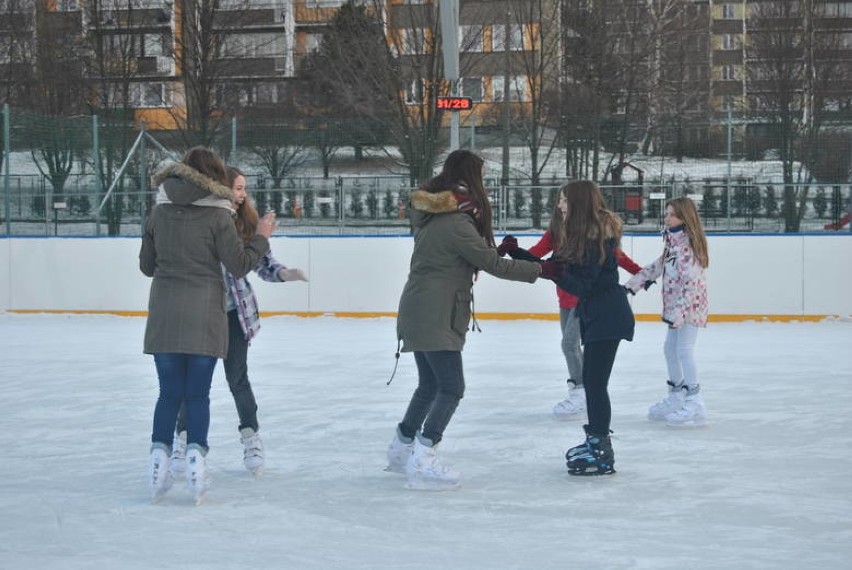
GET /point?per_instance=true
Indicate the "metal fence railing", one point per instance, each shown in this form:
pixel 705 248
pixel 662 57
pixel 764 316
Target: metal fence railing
pixel 378 205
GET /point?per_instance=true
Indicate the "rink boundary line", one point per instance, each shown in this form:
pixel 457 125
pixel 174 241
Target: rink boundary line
pixel 482 316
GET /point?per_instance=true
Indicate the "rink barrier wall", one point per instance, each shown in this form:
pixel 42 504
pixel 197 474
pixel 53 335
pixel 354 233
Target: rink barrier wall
pixel 778 277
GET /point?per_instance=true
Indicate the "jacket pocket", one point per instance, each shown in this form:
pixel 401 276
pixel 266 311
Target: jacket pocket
pixel 460 318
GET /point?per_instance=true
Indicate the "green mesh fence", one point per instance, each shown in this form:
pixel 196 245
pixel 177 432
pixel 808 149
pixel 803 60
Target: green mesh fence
pixel 90 176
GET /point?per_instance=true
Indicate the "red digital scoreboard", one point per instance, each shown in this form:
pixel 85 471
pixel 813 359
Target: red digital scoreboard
pixel 454 103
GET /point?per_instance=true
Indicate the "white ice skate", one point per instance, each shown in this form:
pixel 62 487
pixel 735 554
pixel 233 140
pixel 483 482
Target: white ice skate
pixel 425 472
pixel 573 407
pixel 691 414
pixel 253 457
pixel 161 477
pixel 671 403
pixel 178 465
pixel 398 454
pixel 197 478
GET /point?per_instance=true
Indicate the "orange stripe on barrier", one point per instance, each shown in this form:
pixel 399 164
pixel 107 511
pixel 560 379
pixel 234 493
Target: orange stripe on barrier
pixel 482 316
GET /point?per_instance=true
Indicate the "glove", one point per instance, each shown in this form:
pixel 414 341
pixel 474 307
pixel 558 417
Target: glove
pixel 292 275
pixel 552 270
pixel 648 284
pixel 508 244
pixel 628 290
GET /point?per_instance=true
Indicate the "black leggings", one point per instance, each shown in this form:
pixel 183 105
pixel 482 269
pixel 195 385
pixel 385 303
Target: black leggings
pixel 598 358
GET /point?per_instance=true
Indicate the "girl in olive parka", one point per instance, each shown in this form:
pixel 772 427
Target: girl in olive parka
pixel 453 239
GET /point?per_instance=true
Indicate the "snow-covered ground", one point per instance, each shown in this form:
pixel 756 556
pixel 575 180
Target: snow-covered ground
pixel 766 485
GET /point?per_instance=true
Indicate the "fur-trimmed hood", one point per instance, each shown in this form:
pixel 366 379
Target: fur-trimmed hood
pixel 434 202
pixel 183 185
pixel 425 204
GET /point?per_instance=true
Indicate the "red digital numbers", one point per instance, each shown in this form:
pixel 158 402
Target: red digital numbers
pixel 454 103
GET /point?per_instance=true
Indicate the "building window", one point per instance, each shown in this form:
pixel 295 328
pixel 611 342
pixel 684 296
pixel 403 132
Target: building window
pixel 412 41
pixel 471 39
pixel 253 45
pixel 498 38
pixel 729 73
pixel 414 92
pixel 152 95
pixel 518 89
pixel 67 6
pixel 729 12
pixel 152 44
pixel 312 42
pixel 730 42
pixel 472 87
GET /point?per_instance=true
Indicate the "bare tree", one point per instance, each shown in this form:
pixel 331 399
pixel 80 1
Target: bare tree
pixel 678 85
pixel 114 47
pixel 792 69
pixel 16 53
pixel 536 119
pixel 607 46
pixel 55 93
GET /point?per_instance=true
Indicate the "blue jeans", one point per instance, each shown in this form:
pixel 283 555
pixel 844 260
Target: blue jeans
pixel 183 378
pixel 440 388
pixel 236 373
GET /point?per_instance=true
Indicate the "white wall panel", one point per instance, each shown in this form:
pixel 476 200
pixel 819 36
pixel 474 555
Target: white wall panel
pixel 787 275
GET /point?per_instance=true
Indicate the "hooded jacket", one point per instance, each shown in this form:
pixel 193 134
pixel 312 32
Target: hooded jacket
pixel 684 283
pixel 189 235
pixel 435 306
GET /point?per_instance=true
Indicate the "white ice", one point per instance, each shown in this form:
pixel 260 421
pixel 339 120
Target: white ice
pixel 766 485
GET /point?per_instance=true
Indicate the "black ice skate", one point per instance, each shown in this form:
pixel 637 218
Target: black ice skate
pixel 593 457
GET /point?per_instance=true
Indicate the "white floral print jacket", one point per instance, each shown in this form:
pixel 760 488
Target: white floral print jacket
pixel 684 284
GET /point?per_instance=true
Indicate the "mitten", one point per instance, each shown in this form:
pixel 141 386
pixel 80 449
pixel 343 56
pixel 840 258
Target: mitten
pixel 508 244
pixel 292 275
pixel 552 270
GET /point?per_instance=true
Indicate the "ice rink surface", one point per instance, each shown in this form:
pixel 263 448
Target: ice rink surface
pixel 767 484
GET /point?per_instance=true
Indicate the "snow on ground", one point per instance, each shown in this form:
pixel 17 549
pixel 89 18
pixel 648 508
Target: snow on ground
pixel 765 485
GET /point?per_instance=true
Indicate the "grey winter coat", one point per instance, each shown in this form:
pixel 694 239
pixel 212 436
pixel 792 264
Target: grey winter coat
pixel 435 307
pixel 188 235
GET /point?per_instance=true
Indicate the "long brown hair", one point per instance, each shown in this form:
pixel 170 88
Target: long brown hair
pixel 465 167
pixel 587 220
pixel 686 212
pixel 246 217
pixel 207 163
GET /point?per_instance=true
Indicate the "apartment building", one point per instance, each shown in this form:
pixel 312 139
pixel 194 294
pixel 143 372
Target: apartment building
pixel 701 62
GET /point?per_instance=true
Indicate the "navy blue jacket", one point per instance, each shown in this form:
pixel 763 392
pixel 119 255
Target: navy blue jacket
pixel 603 309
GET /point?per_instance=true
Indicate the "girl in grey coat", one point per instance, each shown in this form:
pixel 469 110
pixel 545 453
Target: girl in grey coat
pixel 453 239
pixel 189 235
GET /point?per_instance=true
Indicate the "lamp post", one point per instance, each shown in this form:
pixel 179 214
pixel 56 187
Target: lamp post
pixel 450 43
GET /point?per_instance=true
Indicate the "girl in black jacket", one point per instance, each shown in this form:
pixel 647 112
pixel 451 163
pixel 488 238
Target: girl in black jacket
pixel 587 245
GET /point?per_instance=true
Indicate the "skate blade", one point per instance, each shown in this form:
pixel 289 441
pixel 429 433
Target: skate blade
pixel 157 496
pixel 390 469
pixel 199 499
pixel 590 473
pixel 433 487
pixel 570 417
pixel 688 425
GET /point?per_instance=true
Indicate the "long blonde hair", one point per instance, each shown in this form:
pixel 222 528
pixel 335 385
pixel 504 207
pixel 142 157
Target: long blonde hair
pixel 246 218
pixel 686 212
pixel 587 220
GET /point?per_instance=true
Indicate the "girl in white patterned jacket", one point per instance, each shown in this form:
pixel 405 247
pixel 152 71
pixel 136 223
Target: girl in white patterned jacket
pixel 682 267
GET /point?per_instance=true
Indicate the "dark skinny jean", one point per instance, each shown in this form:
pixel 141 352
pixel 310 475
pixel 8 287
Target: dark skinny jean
pixel 440 388
pixel 236 373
